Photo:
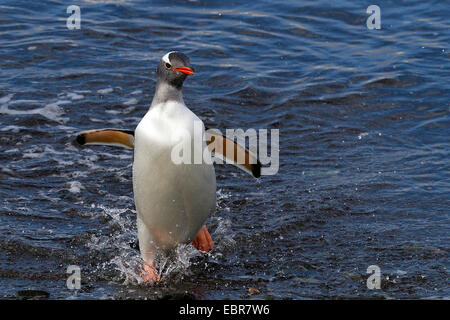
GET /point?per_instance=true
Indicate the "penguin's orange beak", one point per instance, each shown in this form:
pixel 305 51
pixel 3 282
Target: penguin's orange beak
pixel 185 70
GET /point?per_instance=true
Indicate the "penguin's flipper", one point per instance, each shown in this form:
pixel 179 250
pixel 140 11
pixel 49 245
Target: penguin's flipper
pixel 218 144
pixel 112 137
pixel 230 151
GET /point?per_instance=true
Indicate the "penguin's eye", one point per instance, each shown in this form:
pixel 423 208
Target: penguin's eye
pixel 168 65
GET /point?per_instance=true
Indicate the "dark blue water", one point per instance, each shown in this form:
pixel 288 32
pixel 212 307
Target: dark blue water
pixel 363 117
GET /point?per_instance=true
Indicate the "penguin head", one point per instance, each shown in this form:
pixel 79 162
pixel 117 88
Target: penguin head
pixel 174 68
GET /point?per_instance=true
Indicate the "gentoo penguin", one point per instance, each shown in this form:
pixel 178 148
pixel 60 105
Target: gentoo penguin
pixel 173 200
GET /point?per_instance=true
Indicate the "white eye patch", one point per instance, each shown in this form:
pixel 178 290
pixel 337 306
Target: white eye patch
pixel 166 57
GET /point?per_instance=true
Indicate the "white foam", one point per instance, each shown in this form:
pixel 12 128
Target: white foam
pixel 360 136
pixel 116 121
pixel 105 91
pixel 23 101
pixel 6 98
pixel 13 129
pixel 74 96
pixel 221 195
pixel 31 155
pixel 113 111
pixel 51 111
pixel 75 186
pixel 131 102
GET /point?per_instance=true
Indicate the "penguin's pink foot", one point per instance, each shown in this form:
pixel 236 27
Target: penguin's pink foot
pixel 203 241
pixel 150 274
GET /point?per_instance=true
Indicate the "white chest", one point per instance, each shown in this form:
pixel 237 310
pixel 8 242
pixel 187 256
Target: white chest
pixel 168 194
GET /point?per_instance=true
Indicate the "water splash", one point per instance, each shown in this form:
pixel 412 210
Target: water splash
pixel 52 111
pixel 125 261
